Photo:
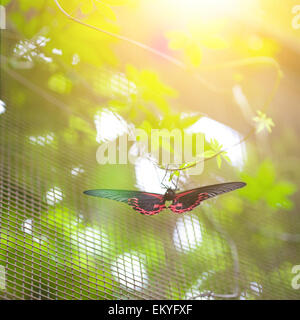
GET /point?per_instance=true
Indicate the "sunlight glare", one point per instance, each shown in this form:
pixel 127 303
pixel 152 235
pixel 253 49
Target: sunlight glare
pixel 42 140
pixel 27 226
pixel 90 241
pixel 209 8
pixel 54 195
pixel 224 135
pixel 109 126
pixel 148 177
pixel 2 107
pixel 187 234
pixel 76 171
pixel 130 272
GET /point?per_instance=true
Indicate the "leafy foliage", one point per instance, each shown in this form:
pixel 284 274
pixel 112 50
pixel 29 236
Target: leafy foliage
pixel 192 43
pixel 216 151
pixel 263 122
pixel 264 186
pixel 61 75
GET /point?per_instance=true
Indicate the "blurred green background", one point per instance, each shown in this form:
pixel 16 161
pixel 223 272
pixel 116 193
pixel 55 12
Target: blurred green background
pixel 67 88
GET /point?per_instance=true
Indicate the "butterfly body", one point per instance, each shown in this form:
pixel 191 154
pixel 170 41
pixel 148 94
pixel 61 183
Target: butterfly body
pixel 169 195
pixel 152 203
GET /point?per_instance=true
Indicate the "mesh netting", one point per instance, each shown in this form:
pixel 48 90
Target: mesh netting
pixel 57 243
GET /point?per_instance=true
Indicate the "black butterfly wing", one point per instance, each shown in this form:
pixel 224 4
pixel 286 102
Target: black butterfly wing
pixel 143 202
pixel 188 200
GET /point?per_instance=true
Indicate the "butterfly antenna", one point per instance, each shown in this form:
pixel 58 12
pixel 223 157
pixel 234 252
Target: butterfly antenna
pixel 164 186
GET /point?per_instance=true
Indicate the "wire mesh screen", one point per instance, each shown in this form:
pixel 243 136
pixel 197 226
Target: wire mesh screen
pixel 58 243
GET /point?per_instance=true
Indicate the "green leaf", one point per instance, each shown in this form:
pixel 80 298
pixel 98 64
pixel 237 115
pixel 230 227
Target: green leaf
pixel 87 7
pixel 264 185
pixel 150 88
pixel 174 173
pixel 188 121
pixel 209 153
pixel 225 157
pixel 5 2
pixel 59 83
pixel 26 5
pixel 263 122
pixel 177 40
pixel 181 41
pixel 194 54
pixel 105 10
pixel 146 125
pixel 214 42
pixel 215 145
pixel 280 192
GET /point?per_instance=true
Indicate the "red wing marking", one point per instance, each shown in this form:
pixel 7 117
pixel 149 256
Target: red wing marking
pixel 152 203
pixel 147 207
pixel 189 203
pixel 188 200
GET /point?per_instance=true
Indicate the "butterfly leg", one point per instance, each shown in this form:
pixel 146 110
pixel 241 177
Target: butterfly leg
pixel 176 184
pixel 176 187
pixel 163 179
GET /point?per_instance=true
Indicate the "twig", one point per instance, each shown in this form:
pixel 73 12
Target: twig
pixel 143 46
pixel 120 37
pixel 180 64
pixel 212 157
pixel 240 63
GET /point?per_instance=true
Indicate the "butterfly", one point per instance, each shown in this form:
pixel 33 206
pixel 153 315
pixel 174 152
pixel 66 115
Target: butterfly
pixel 152 203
